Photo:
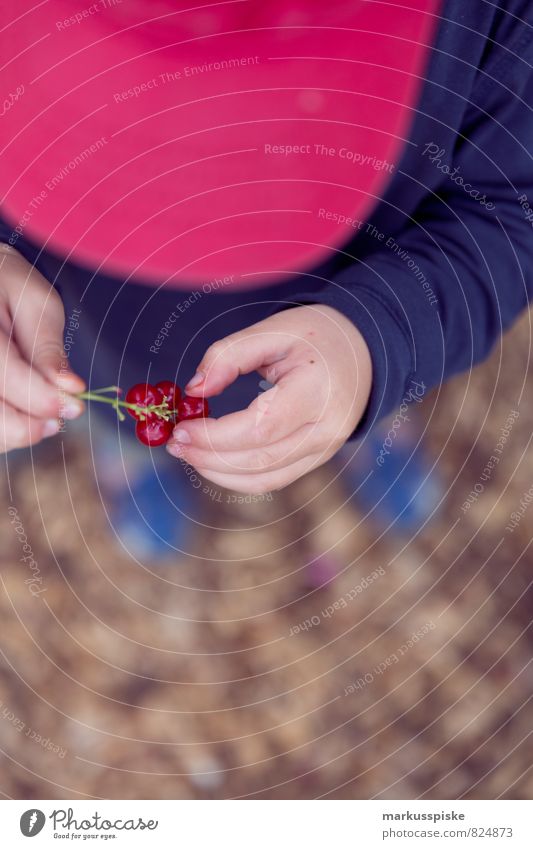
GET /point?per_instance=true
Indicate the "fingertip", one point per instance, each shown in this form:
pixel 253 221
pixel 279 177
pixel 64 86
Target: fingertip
pixel 179 434
pixel 78 382
pixel 68 380
pixel 213 382
pixel 71 408
pixel 212 385
pixel 174 450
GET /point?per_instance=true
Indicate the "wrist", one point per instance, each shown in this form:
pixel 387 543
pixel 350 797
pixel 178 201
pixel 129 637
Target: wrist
pixel 351 349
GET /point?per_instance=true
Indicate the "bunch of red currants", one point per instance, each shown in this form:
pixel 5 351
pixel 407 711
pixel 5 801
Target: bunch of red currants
pixel 159 408
pixel 156 409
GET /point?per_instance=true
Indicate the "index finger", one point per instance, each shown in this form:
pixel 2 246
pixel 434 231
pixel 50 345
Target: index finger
pixel 272 416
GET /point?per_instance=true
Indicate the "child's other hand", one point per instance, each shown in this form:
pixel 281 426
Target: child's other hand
pixel 31 355
pixel 320 368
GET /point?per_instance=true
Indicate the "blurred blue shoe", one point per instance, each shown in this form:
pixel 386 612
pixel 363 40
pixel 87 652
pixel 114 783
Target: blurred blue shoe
pixel 150 518
pixel 150 503
pixel 402 491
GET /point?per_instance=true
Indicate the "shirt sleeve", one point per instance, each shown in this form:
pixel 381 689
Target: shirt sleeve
pixel 433 301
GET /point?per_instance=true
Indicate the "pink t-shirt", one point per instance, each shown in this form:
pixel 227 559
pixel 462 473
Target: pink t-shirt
pixel 243 138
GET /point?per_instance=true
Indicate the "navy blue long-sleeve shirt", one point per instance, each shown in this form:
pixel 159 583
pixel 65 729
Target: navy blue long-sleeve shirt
pixel 444 263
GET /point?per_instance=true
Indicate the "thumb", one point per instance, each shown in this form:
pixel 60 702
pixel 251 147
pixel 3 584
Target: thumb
pixel 248 350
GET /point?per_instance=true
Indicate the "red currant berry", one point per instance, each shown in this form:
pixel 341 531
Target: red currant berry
pixel 171 391
pixel 192 408
pixel 144 395
pixel 153 431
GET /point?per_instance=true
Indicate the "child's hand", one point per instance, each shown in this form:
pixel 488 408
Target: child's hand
pixel 31 355
pixel 321 370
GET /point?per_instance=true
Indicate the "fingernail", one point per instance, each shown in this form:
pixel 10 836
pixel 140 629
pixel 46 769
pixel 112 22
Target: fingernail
pixel 196 380
pixel 51 427
pixel 71 409
pixel 175 449
pixel 180 435
pixel 63 377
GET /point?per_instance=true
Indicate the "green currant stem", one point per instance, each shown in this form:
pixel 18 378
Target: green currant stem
pixel 161 410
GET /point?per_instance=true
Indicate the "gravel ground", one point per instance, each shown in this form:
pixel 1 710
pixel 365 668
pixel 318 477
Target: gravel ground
pixel 196 679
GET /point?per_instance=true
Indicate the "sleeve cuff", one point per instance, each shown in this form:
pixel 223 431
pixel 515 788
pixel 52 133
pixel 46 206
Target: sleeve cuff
pixel 388 343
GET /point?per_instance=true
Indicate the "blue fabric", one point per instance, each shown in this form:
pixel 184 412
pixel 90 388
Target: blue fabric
pixel 442 267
